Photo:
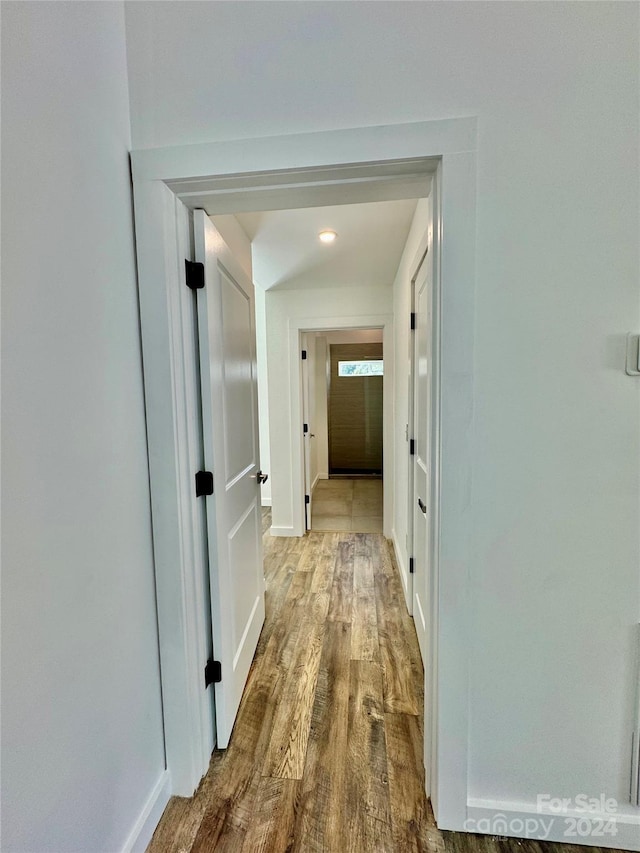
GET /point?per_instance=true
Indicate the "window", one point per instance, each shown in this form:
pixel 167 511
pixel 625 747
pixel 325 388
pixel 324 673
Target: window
pixel 362 367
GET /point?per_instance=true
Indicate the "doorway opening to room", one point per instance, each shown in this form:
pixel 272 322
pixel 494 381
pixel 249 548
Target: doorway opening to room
pixel 324 317
pixel 343 408
pixel 342 168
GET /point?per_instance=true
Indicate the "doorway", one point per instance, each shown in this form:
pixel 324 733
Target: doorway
pixel 355 406
pixel 342 390
pixel 299 167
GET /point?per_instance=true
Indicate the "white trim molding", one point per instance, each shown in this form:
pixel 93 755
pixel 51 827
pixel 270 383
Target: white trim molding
pixel 616 827
pixel 283 531
pixel 404 571
pixel 319 324
pixel 201 166
pixel 149 817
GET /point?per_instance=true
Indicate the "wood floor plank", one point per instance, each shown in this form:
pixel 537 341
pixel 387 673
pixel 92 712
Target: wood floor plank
pixel 273 821
pixel 388 571
pixel 286 754
pixel 236 772
pixel 310 551
pixel 365 644
pixel 381 556
pixel 406 783
pixel 219 819
pixel 284 615
pixel 179 825
pixel 351 729
pixel 456 842
pixel 399 692
pixel 362 543
pixel 299 588
pixel 341 601
pixel 369 810
pixel 295 545
pixel 362 572
pixel 325 564
pixel 395 644
pixel 320 824
pixel 229 840
pixel 280 566
pixel 364 621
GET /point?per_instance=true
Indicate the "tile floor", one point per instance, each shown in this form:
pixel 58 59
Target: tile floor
pixel 347 505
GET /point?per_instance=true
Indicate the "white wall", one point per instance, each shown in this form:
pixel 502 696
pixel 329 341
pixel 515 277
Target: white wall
pixel 263 393
pixel 82 741
pixel 354 336
pixel 402 363
pixel 283 308
pixel 555 492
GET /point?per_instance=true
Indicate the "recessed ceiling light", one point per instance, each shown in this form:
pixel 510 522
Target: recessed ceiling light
pixel 327 236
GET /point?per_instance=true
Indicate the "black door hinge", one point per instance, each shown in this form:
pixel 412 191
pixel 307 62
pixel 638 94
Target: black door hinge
pixel 305 428
pixel 412 447
pixel 304 354
pixel 195 274
pixel 413 319
pixel 204 483
pixel 307 499
pixel 212 672
pixel 410 565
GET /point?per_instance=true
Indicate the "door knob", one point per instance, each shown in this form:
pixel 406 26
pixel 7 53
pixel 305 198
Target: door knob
pixel 261 478
pixel 422 505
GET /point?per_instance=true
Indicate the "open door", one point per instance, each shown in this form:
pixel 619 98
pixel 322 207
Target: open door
pixel 422 300
pixel 422 474
pixel 226 332
pixel 411 441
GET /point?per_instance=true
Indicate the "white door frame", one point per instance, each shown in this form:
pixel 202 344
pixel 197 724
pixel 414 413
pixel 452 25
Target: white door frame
pixel 260 174
pixel 297 327
pixel 306 418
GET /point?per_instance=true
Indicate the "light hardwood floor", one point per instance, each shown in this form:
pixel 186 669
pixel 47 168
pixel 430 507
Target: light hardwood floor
pixel 326 753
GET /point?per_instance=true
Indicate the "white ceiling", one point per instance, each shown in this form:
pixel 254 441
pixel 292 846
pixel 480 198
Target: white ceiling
pixel 287 253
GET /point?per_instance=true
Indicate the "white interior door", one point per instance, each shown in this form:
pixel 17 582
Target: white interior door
pixel 411 443
pixel 422 454
pixel 226 332
pixel 422 491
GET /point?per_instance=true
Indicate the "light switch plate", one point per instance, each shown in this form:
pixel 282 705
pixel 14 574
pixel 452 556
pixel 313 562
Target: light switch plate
pixel 633 354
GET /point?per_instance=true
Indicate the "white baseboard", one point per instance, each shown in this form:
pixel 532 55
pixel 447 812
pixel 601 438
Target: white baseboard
pixel 619 829
pixel 265 495
pixel 282 531
pixel 323 477
pixel 315 482
pixel 404 574
pixel 149 817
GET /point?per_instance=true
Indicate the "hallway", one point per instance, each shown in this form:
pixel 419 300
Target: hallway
pixel 326 753
pixel 327 749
